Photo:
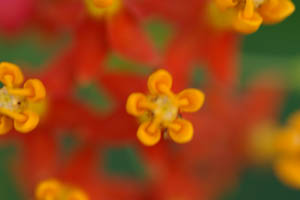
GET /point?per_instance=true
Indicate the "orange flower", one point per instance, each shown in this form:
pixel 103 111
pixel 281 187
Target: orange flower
pixel 250 14
pixel 159 111
pixel 52 189
pixel 287 165
pixel 15 108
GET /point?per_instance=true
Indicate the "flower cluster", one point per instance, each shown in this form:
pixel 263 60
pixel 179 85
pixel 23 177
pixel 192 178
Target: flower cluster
pixel 97 105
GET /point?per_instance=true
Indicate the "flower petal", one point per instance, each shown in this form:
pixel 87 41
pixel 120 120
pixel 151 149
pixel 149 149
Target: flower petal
pixel 247 25
pixel 127 38
pixel 190 100
pixel 5 125
pixel 27 126
pixel 158 79
pixel 133 104
pixel 146 137
pixel 12 70
pixel 90 50
pixel 274 11
pixel 181 131
pixel 225 4
pixel 288 170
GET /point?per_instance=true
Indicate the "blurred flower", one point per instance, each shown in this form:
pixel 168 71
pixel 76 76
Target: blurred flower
pixel 55 190
pixel 287 162
pixel 250 14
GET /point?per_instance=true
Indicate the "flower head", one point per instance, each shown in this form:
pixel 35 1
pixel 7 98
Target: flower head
pixel 100 8
pixel 160 110
pixel 52 189
pixel 16 102
pixel 250 14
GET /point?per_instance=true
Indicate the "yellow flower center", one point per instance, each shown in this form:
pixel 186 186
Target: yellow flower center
pixel 104 11
pixel 52 189
pixel 165 109
pixel 12 102
pixel 257 3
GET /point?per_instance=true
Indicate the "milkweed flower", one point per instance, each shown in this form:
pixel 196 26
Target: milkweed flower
pixel 16 102
pixel 103 3
pixel 103 8
pixel 287 164
pixel 55 190
pixel 160 110
pixel 249 15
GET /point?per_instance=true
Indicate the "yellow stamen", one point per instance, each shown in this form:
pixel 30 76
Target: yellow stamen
pixel 165 90
pixel 8 80
pixel 154 125
pixel 175 127
pixel 183 102
pixel 21 92
pixel 52 189
pixel 147 105
pixel 103 8
pixel 249 9
pixel 14 115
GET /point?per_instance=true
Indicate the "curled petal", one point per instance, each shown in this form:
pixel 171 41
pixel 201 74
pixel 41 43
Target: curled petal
pixel 78 195
pixel 5 125
pixel 181 131
pixel 274 11
pixel 103 3
pixel 288 171
pixel 225 4
pixel 37 88
pixel 247 25
pixel 287 142
pixel 10 74
pixel 27 126
pixel 48 189
pixel 294 121
pixel 147 137
pixel 190 100
pixel 159 82
pixel 133 104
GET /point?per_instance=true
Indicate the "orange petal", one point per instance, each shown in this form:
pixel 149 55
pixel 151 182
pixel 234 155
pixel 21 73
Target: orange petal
pixel 294 120
pixel 287 142
pixel 5 125
pixel 10 74
pixel 146 137
pixel 160 82
pixel 181 131
pixel 247 25
pixel 49 189
pixel 190 100
pixel 103 3
pixel 288 171
pixel 274 11
pixel 133 104
pixel 27 126
pixel 225 4
pixel 37 88
pixel 77 195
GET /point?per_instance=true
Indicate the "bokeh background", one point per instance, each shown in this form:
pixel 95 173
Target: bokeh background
pixel 272 48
